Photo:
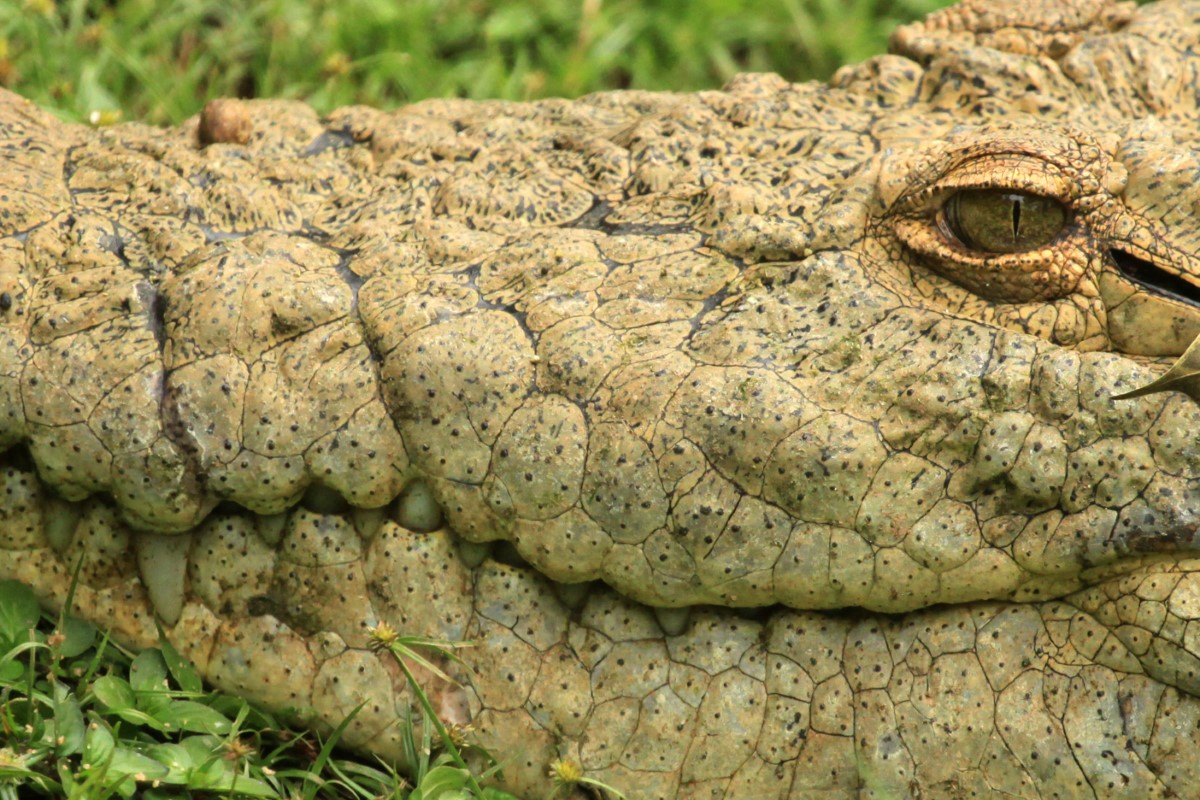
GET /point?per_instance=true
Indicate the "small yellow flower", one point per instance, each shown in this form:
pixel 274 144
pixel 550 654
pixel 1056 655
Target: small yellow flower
pixel 566 772
pixel 383 636
pixel 91 36
pixel 43 7
pixel 98 118
pixel 337 65
pixel 9 758
pixel 237 749
pixel 459 733
pixel 534 83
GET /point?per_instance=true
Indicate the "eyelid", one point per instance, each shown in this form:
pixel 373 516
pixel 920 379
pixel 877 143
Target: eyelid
pixel 1010 172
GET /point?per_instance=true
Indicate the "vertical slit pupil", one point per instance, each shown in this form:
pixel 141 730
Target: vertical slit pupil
pixel 1016 216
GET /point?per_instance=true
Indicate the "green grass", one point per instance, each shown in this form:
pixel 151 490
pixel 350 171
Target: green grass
pixel 82 718
pixel 159 63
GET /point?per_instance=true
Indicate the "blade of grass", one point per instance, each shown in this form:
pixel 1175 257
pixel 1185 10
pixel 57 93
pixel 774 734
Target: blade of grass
pixel 310 789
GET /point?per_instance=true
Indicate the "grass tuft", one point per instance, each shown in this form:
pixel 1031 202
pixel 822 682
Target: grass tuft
pixel 159 63
pixel 80 717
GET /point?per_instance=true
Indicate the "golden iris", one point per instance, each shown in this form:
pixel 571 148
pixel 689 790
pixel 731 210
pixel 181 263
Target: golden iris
pixel 1002 221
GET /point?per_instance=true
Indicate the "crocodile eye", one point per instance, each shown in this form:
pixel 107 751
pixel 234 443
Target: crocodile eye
pixel 1001 221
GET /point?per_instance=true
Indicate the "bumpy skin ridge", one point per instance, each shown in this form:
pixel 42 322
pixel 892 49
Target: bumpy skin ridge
pixel 758 482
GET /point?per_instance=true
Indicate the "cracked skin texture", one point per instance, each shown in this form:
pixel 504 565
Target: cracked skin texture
pixel 758 482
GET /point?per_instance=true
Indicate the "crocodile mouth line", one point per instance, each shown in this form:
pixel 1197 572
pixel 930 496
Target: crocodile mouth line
pixel 323 530
pixel 320 531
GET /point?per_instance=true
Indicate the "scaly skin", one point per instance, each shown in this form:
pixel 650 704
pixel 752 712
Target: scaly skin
pixel 758 481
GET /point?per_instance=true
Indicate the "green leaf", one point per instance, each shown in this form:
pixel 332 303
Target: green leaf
pixel 201 749
pixel 148 672
pixel 209 771
pixel 67 776
pixel 175 757
pixel 148 677
pixel 98 746
pixel 252 787
pixel 78 636
pixel 118 698
pixel 181 669
pixel 68 729
pixel 453 794
pixel 11 671
pixel 511 23
pixel 123 784
pixel 1183 376
pixel 443 783
pixel 19 612
pixel 492 793
pixel 20 775
pixel 188 715
pixel 127 761
pixel 114 693
pixel 163 794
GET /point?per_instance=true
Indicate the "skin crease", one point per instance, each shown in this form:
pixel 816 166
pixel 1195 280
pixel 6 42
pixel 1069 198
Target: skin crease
pixel 757 480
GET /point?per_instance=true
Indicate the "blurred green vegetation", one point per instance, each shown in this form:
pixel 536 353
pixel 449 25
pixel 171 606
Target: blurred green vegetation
pixel 159 62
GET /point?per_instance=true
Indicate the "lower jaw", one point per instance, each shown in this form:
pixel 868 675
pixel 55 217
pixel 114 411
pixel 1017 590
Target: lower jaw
pixel 1095 690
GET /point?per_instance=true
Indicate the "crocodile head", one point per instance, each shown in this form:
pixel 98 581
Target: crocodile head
pixel 764 441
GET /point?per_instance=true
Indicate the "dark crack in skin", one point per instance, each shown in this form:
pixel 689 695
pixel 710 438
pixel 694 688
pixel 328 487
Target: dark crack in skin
pixel 756 481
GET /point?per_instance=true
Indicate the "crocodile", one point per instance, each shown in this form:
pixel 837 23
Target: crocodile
pixel 777 441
